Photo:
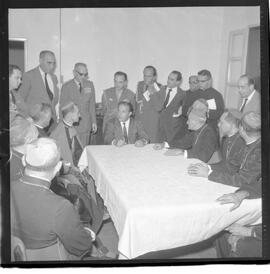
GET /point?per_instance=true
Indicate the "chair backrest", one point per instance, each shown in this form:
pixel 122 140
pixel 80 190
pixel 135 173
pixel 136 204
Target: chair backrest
pixel 18 252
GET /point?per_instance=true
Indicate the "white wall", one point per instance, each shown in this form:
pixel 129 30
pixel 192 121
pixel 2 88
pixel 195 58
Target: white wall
pixel 41 28
pixel 185 39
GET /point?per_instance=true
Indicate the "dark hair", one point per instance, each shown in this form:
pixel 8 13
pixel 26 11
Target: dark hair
pixel 178 74
pixel 127 104
pixel 11 68
pixel 80 64
pixel 153 68
pixel 43 53
pixel 39 110
pixel 251 80
pixel 120 73
pixel 205 72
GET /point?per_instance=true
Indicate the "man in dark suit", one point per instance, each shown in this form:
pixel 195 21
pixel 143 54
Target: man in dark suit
pixel 199 142
pixel 124 129
pixel 148 102
pixel 172 98
pixel 39 85
pixel 41 115
pixel 232 146
pixel 112 96
pixel 16 102
pixel 250 97
pixel 81 91
pixel 40 217
pixel 211 95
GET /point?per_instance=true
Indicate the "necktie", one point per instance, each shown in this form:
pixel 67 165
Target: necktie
pixel 167 98
pixel 80 88
pixel 50 94
pixel 243 105
pixel 125 133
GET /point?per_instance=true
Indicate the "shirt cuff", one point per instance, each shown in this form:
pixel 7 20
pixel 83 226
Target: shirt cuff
pixel 166 145
pixel 210 170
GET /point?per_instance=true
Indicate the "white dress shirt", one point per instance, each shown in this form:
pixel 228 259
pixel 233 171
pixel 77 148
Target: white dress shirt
pixel 248 98
pixel 173 93
pixel 49 80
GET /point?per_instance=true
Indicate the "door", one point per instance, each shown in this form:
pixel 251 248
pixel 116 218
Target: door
pixel 17 53
pixel 236 66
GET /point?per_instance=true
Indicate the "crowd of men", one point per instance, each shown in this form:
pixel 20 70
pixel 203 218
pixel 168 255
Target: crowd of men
pixel 55 203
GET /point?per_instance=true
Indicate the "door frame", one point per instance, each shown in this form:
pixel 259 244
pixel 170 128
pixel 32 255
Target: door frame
pixel 24 40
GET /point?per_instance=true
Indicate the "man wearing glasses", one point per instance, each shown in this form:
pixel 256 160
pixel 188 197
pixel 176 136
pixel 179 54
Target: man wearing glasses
pixel 81 92
pixel 211 95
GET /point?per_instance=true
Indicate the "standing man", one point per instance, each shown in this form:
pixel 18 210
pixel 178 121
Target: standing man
pixel 112 96
pixel 211 95
pixel 40 84
pixel 172 98
pixel 148 102
pixel 251 99
pixel 81 92
pixel 193 87
pixel 16 102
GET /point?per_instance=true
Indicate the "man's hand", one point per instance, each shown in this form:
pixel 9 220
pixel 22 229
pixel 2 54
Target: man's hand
pixel 239 230
pixel 139 143
pixel 234 198
pixel 232 240
pixel 199 170
pixel 119 143
pixel 174 152
pixel 158 146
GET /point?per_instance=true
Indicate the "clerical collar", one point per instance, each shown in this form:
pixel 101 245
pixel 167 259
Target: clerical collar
pixel 67 124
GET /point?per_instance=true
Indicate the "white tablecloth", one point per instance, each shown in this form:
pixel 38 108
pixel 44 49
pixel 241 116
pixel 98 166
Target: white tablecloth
pixel 155 204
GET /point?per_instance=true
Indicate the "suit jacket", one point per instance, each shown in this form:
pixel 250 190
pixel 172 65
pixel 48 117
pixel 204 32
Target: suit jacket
pixel 114 131
pixel 231 151
pixel 254 104
pixel 250 168
pixel 33 90
pixel 86 102
pixel 168 124
pixel 110 103
pixel 148 112
pixel 60 135
pixel 200 144
pixel 44 216
pixel 16 165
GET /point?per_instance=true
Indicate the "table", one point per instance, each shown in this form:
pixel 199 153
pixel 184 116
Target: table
pixel 155 204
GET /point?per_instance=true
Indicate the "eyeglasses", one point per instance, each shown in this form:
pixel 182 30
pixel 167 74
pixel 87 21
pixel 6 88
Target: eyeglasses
pixel 202 81
pixel 82 74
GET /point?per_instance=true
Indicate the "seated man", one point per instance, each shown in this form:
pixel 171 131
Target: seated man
pixel 232 145
pixel 238 240
pixel 22 132
pixel 66 135
pixel 124 129
pixel 249 169
pixel 40 217
pixel 41 115
pixel 199 142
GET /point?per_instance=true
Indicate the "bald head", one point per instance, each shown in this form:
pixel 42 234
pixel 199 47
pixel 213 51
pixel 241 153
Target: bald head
pixel 251 125
pixel 47 61
pixel 22 132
